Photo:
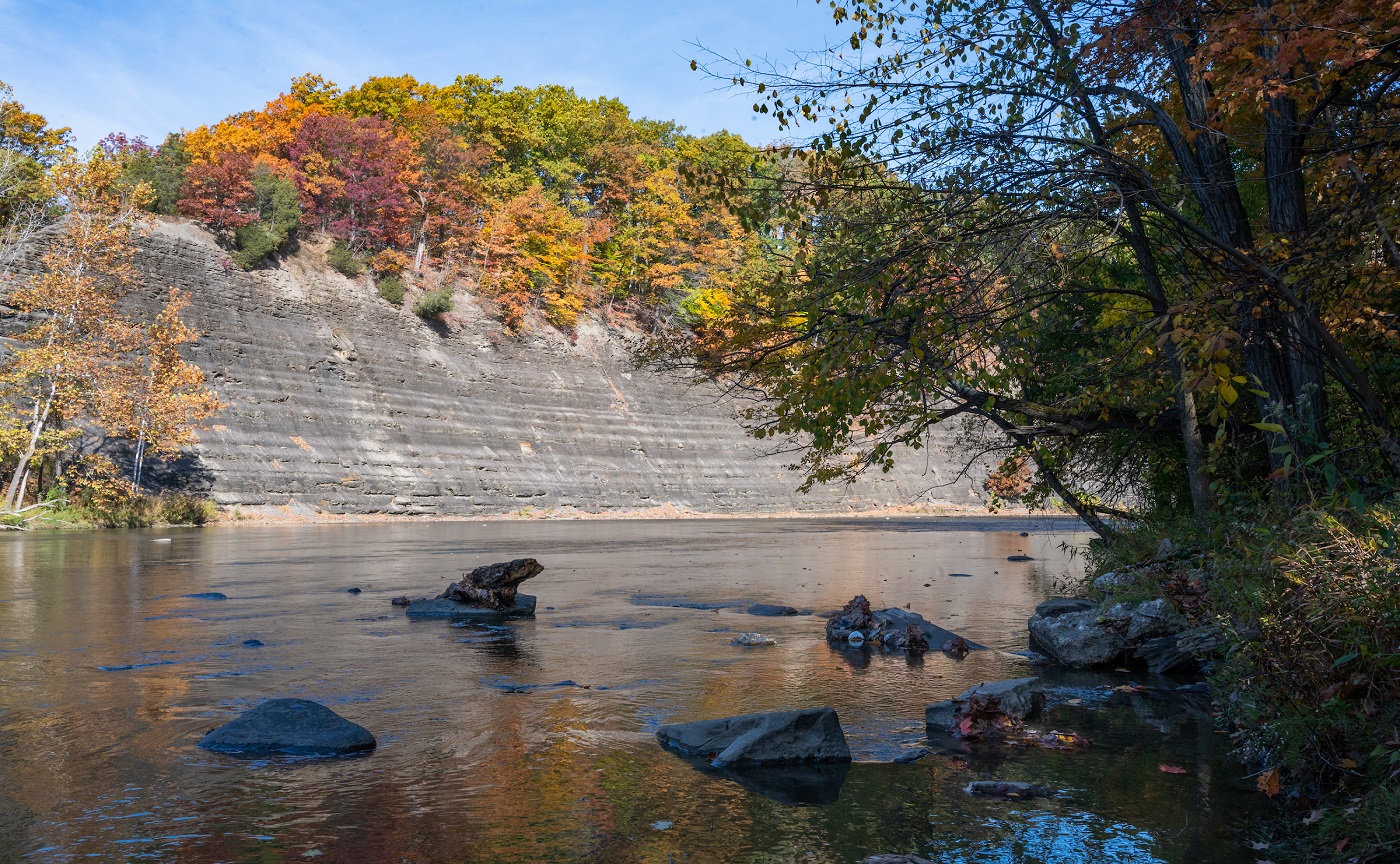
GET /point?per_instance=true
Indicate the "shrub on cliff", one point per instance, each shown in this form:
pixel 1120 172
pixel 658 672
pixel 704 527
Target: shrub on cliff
pixel 391 289
pixel 343 259
pixel 275 199
pixel 433 304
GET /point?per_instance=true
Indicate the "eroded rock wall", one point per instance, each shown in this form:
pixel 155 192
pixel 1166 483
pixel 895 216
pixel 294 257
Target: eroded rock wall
pixel 342 402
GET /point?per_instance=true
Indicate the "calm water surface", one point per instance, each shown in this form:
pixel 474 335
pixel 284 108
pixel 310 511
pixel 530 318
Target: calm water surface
pixel 109 674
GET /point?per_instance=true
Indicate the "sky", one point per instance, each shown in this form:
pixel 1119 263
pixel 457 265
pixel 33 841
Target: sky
pixel 148 67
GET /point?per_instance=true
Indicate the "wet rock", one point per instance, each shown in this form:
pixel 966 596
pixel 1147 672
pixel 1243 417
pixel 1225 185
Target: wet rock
pixel 207 595
pixel 1063 606
pixel 912 756
pixel 494 586
pixel 352 591
pixel 1019 558
pixel 1005 789
pixel 1025 534
pixel 961 575
pixel 896 859
pixel 752 640
pixel 901 619
pixel 761 740
pixel 1017 698
pixel 910 640
pixel 402 601
pixel 506 684
pixel 770 609
pixel 289 726
pixel 1077 639
pixel 252 643
pixel 522 606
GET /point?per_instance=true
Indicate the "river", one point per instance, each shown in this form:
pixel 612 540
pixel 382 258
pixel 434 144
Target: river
pixel 110 672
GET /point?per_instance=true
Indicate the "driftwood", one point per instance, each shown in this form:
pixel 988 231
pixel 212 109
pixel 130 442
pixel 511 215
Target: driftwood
pixel 493 586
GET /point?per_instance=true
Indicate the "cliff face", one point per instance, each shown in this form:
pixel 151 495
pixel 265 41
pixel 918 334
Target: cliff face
pixel 340 401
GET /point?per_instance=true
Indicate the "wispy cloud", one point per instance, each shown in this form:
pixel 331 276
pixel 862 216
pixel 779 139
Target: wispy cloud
pixel 153 67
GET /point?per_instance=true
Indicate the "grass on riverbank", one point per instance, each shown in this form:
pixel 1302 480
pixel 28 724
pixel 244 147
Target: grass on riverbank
pixel 1310 684
pixel 136 511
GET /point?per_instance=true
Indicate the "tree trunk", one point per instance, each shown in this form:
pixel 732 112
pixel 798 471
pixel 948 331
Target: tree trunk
pixel 41 418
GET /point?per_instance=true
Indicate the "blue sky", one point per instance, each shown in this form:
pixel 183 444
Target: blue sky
pixel 151 66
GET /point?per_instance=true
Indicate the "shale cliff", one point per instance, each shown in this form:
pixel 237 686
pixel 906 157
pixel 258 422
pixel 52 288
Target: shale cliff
pixel 339 401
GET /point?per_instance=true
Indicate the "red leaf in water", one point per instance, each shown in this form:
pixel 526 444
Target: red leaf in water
pixel 1172 769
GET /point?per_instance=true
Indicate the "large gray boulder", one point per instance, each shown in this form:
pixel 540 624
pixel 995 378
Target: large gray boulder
pixel 1152 619
pixel 1017 698
pixel 761 740
pixel 521 606
pixel 1077 639
pixel 295 727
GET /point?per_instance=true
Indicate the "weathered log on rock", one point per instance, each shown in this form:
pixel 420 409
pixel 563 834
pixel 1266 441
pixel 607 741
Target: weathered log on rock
pixel 494 585
pixel 854 617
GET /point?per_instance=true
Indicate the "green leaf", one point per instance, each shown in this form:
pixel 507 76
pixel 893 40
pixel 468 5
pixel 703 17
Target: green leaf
pixel 1267 427
pixel 1345 659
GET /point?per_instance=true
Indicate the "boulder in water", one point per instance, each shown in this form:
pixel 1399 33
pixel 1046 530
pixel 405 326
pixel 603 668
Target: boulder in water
pixel 296 727
pixel 521 606
pixel 761 740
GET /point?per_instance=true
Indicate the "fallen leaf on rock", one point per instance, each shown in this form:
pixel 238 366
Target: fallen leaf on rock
pixel 1268 782
pixel 1172 769
pixel 1347 763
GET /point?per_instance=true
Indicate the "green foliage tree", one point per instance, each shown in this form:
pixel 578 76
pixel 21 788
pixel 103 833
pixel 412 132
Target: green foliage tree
pixel 279 213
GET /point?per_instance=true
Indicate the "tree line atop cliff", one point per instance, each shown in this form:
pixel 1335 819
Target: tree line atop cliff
pixel 540 200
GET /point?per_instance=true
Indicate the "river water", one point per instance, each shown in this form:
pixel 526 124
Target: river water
pixel 110 672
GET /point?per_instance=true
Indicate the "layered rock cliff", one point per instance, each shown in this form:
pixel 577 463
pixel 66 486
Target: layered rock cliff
pixel 342 402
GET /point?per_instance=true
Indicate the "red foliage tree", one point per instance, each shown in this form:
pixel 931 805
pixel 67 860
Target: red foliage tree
pixel 353 176
pixel 220 193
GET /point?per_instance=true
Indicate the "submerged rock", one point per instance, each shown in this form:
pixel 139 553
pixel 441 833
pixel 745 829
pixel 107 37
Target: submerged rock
pixel 1005 789
pixel 207 595
pixel 761 740
pixel 896 859
pixel 769 609
pixel 1017 698
pixel 522 606
pixel 296 727
pixel 752 640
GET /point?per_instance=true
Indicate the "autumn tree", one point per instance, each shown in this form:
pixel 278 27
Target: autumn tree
pixel 353 176
pixel 59 365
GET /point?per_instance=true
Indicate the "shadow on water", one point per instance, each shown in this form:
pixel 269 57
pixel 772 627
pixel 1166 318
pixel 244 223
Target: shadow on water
pixel 535 740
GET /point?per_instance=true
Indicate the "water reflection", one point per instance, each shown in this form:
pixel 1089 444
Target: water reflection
pixel 111 673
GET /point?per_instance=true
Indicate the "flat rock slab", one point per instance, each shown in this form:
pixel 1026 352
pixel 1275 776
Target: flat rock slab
pixel 1063 606
pixel 296 727
pixel 523 607
pixel 761 740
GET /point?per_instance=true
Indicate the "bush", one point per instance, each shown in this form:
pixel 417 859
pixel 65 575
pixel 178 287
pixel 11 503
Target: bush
pixel 179 509
pixel 388 262
pixel 343 259
pixel 391 289
pixel 279 212
pixel 434 303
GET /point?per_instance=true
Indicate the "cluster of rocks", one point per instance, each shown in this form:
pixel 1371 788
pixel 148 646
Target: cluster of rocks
pixel 1083 633
pixel 893 628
